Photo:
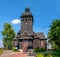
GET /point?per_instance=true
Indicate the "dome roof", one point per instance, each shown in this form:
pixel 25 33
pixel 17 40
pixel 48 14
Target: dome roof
pixel 27 10
pixel 26 13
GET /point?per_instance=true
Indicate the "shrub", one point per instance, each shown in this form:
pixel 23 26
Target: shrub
pixel 49 55
pixel 57 53
pixel 39 49
pixel 40 55
pixel 15 49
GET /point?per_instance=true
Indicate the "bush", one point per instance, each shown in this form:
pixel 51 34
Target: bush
pixel 15 49
pixel 40 55
pixel 49 55
pixel 39 49
pixel 57 53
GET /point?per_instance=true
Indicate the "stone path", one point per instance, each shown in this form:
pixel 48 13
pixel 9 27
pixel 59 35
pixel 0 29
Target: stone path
pixel 9 53
pixel 19 55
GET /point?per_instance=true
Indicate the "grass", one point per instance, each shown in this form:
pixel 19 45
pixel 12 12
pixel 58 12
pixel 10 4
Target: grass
pixel 1 50
pixel 15 49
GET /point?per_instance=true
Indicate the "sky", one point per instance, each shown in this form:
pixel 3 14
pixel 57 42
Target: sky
pixel 43 11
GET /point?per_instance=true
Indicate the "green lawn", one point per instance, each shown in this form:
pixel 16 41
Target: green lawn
pixel 1 50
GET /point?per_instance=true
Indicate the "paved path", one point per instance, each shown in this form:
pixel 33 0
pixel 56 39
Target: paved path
pixel 9 53
pixel 19 55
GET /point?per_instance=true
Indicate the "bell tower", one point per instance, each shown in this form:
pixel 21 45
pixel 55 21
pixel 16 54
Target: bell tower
pixel 27 22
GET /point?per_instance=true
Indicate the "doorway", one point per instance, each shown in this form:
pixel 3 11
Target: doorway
pixel 25 46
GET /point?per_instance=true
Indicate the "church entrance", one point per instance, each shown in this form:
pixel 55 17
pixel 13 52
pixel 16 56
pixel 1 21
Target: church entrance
pixel 25 46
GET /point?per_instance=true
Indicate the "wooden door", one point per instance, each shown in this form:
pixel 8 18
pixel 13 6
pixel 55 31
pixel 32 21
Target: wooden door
pixel 25 46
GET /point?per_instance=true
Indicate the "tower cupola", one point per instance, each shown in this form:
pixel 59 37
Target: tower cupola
pixel 27 15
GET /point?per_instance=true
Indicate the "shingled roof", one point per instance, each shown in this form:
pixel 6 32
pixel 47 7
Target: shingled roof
pixel 40 35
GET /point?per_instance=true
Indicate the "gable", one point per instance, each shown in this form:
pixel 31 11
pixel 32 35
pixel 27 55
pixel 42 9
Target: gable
pixel 25 34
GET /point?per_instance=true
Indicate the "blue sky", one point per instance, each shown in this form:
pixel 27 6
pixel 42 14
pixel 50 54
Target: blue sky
pixel 44 11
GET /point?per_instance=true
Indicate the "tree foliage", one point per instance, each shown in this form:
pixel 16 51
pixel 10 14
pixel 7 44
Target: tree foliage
pixel 8 35
pixel 39 50
pixel 54 32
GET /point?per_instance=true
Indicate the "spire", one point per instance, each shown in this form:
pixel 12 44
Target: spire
pixel 27 10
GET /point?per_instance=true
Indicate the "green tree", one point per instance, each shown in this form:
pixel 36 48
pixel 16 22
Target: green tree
pixel 54 33
pixel 8 35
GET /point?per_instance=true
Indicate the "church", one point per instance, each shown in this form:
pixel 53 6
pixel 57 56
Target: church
pixel 26 38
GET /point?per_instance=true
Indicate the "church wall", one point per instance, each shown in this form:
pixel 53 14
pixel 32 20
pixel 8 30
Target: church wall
pixel 20 45
pixel 26 26
pixel 43 43
pixel 15 43
pixel 36 43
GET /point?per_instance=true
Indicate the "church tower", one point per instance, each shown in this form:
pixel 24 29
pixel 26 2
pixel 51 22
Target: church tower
pixel 27 22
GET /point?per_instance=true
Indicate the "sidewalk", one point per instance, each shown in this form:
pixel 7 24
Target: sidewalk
pixel 9 53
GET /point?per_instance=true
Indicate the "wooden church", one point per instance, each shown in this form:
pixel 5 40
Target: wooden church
pixel 26 38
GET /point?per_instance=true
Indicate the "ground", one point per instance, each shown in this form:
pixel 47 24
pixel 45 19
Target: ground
pixel 1 50
pixel 9 53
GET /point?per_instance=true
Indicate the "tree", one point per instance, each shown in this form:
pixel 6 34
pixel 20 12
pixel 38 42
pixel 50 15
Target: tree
pixel 8 35
pixel 54 32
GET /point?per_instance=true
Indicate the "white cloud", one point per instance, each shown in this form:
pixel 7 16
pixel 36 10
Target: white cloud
pixel 16 21
pixel 1 44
